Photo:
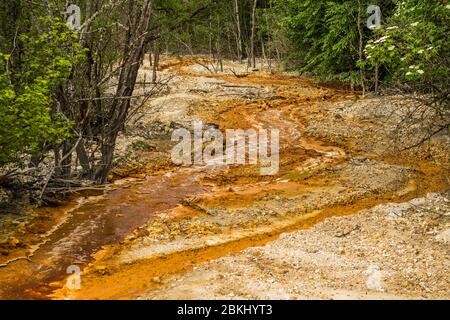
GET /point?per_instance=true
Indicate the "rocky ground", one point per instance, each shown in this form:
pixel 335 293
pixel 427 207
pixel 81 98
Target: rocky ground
pixel 393 251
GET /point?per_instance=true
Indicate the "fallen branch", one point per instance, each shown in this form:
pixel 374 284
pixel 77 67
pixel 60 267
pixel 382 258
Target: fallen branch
pixel 238 86
pixel 342 235
pixel 7 263
pixel 239 75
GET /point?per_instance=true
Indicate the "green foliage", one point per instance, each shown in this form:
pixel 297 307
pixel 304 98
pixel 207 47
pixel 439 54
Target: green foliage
pixel 414 44
pixel 28 114
pixel 193 26
pixel 326 35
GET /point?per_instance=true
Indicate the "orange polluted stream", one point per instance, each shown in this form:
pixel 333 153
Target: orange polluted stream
pixel 98 222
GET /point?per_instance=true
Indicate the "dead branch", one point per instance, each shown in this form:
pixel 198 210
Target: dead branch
pixel 239 75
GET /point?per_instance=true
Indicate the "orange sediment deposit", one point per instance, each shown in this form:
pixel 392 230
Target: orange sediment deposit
pixel 155 227
pixel 108 278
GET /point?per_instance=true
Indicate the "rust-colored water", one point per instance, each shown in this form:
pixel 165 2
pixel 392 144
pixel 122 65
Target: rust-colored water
pixel 102 220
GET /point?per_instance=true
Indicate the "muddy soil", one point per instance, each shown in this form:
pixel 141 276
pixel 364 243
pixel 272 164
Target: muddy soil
pixel 346 216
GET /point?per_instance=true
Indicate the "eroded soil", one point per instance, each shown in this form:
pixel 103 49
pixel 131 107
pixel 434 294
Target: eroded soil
pixel 317 229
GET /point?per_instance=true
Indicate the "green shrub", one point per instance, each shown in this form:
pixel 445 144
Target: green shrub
pixel 29 115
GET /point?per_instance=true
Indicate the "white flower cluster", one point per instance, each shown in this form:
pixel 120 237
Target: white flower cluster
pixel 414 69
pixel 381 40
pixel 423 50
pixel 392 28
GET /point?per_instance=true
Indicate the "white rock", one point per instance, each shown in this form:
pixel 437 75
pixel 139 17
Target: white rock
pixel 444 236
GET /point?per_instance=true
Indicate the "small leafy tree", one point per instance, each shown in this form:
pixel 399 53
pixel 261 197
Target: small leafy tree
pixel 413 49
pixel 414 45
pixel 29 116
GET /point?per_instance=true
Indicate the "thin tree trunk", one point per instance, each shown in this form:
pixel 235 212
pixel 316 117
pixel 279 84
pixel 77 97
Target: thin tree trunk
pixel 360 53
pixel 376 78
pixel 252 58
pixel 218 47
pixel 278 56
pixel 83 158
pixel 211 54
pixel 238 30
pixel 270 38
pixel 230 51
pixel 263 48
pixel 56 151
pixel 67 160
pixel 155 64
pixel 134 51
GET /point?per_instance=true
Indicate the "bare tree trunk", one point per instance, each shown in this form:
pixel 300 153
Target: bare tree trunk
pixel 83 158
pixel 230 51
pixel 218 46
pixel 270 38
pixel 376 78
pixel 135 44
pixel 219 56
pixel 360 51
pixel 238 30
pixel 155 64
pixel 66 162
pixel 210 43
pixel 263 48
pixel 279 59
pixel 252 58
pixel 56 151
